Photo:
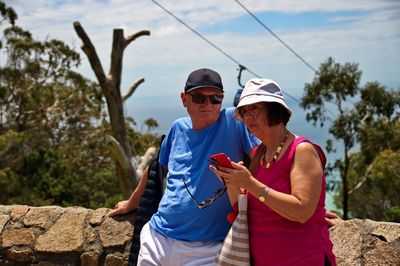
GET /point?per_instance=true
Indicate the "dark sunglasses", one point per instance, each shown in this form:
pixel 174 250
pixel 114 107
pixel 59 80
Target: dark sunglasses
pixel 201 98
pixel 205 203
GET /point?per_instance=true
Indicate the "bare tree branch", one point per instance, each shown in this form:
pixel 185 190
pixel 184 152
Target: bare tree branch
pixel 145 159
pixel 138 34
pixel 91 53
pixel 118 153
pixel 132 89
pixel 363 179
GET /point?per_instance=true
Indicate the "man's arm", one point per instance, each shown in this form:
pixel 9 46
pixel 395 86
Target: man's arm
pixel 132 203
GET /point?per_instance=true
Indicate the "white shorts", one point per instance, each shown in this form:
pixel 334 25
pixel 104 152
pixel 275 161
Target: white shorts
pixel 156 249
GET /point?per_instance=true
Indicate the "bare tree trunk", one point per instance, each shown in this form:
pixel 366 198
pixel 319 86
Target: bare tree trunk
pixel 345 184
pixel 111 89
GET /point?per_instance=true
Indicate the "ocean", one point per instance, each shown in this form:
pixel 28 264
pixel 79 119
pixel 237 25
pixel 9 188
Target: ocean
pixel 168 108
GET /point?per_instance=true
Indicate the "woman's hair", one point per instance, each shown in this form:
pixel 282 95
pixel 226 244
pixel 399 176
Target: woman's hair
pixel 276 113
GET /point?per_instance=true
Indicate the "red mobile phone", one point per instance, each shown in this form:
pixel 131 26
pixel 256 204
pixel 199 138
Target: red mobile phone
pixel 220 159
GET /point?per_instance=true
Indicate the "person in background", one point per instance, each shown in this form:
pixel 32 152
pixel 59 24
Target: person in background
pixel 190 224
pixel 286 193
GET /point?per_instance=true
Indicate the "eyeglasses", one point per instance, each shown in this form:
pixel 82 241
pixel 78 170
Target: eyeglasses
pixel 205 203
pixel 251 110
pixel 201 98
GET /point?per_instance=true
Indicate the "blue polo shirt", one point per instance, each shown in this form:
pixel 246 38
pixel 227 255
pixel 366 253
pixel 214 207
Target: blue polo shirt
pixel 185 151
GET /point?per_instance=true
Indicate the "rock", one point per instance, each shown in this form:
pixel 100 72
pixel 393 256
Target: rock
pixel 381 253
pixel 98 216
pixel 20 255
pixel 17 236
pixel 91 235
pixel 37 217
pixel 90 258
pixel 365 242
pixel 18 212
pixel 66 235
pixel 113 260
pixel 344 254
pixel 114 232
pixel 389 231
pixel 7 209
pixel 4 218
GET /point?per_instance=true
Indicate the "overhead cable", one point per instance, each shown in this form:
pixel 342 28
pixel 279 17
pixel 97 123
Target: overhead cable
pixel 215 46
pixel 276 36
pixel 201 36
pixel 286 45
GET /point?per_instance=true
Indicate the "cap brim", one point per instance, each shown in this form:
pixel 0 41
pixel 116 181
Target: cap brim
pixel 251 99
pixel 205 86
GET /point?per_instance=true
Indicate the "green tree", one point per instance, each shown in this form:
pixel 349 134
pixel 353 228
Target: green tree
pixel 333 85
pixel 48 130
pixel 53 127
pixel 378 161
pixel 371 123
pixel 151 123
pixel 8 15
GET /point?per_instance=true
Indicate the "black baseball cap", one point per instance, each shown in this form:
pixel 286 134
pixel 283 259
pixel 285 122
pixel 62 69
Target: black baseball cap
pixel 203 77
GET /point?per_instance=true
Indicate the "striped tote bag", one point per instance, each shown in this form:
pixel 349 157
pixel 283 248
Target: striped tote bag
pixel 235 250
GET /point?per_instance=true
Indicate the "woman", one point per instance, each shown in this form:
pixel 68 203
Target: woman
pixel 286 193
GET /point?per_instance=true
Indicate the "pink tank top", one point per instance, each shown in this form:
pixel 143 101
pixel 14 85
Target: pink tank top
pixel 275 240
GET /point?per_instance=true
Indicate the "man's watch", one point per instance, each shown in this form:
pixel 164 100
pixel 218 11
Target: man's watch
pixel 264 194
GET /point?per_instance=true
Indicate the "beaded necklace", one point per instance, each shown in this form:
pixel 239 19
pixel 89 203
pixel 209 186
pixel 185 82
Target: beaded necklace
pixel 276 155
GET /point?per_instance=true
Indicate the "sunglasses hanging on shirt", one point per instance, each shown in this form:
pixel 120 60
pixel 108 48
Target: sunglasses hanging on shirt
pixel 205 203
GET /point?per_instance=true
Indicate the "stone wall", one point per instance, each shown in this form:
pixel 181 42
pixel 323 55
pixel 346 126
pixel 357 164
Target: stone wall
pixel 63 236
pixel 78 236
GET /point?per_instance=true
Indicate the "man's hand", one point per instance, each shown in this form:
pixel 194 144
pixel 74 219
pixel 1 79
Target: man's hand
pixel 331 218
pixel 122 207
pixel 132 203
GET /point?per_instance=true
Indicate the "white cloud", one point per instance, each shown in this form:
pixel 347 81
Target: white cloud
pixel 370 36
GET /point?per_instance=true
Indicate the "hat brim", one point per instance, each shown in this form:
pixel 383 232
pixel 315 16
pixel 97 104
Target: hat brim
pixel 252 99
pixel 203 86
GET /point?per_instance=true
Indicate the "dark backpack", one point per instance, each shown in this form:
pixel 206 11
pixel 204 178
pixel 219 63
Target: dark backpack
pixel 148 204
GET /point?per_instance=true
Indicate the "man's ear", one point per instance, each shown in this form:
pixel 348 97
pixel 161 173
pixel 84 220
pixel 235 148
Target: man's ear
pixel 184 99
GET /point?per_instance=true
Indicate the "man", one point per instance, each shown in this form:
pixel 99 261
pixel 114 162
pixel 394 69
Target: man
pixel 191 222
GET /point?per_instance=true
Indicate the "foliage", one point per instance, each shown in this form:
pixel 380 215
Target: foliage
pixel 372 124
pixel 377 197
pixel 52 128
pixel 334 84
pixel 8 15
pixel 379 156
pixel 151 123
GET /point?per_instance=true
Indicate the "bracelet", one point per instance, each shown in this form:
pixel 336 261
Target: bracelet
pixel 264 194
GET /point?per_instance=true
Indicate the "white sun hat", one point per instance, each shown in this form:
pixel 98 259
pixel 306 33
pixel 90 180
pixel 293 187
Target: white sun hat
pixel 261 90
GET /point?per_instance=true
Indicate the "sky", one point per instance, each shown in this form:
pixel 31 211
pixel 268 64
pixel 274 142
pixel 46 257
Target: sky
pixel 366 32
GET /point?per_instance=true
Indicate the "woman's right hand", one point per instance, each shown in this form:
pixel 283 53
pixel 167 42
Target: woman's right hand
pixel 224 174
